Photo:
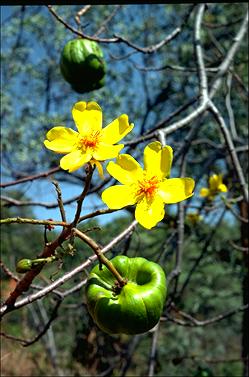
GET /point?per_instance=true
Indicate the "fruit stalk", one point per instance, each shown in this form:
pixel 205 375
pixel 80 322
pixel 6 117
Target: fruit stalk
pixel 102 259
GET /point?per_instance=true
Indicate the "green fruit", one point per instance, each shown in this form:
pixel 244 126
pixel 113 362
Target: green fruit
pixel 82 65
pixel 24 265
pixel 133 309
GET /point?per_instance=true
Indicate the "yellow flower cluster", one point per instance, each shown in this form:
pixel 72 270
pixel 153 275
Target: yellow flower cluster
pixel 149 188
pixel 215 187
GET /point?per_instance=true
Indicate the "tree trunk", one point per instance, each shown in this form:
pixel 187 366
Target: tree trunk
pixel 245 289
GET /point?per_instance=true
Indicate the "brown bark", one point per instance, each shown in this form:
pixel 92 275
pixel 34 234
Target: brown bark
pixel 24 284
pixel 245 289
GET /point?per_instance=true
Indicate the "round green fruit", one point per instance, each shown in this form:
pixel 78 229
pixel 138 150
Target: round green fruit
pixel 82 65
pixel 137 306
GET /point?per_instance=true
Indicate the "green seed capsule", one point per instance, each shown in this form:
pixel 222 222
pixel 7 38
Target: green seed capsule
pixel 82 65
pixel 136 307
pixel 24 265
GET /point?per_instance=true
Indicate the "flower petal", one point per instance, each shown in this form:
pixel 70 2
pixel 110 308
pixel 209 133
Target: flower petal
pixel 116 197
pixel 99 167
pixel 116 130
pixel 222 187
pixel 105 151
pixel 126 169
pixel 204 192
pixel 158 159
pixel 74 160
pixel 149 212
pixel 61 139
pixel 214 181
pixel 87 117
pixel 175 190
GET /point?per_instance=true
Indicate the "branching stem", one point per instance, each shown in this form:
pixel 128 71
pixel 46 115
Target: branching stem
pixel 102 259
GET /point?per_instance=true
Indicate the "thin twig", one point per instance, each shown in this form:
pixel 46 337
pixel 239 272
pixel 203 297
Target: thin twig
pixel 98 252
pixel 216 84
pixel 31 177
pixel 57 283
pixel 177 68
pixel 47 325
pixel 180 234
pixel 237 247
pixel 83 194
pixel 81 12
pixel 107 20
pixel 203 252
pixel 118 39
pixel 229 57
pixel 21 220
pixel 60 201
pixel 229 107
pixel 199 55
pixel 153 351
pixel 192 322
pixel 231 148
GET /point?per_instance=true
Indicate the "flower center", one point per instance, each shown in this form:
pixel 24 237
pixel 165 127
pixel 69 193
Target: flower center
pixel 90 141
pixel 147 187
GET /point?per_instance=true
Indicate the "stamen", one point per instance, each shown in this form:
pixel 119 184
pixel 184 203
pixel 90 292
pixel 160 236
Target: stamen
pixel 90 141
pixel 147 187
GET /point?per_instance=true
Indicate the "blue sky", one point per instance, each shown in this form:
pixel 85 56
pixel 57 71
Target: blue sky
pixel 43 190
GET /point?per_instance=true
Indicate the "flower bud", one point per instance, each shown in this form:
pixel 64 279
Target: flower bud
pixel 24 265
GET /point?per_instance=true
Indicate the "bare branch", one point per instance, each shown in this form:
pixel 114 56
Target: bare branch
pixel 107 20
pixel 57 283
pixel 192 322
pixel 229 106
pixel 230 145
pixel 229 57
pixel 81 12
pixel 20 220
pixel 118 39
pixel 47 326
pixel 199 56
pixel 152 358
pixel 60 201
pixel 83 194
pixel 31 177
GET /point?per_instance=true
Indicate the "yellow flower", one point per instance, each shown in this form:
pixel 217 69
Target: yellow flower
pixel 91 143
pixel 148 188
pixel 215 187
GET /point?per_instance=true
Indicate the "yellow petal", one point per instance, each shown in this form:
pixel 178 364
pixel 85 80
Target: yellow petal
pixel 158 159
pixel 74 160
pixel 116 197
pixel 175 190
pixel 214 182
pixel 126 169
pixel 204 192
pixel 116 130
pixel 61 139
pixel 98 166
pixel 220 177
pixel 222 188
pixel 87 117
pixel 149 212
pixel 105 151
